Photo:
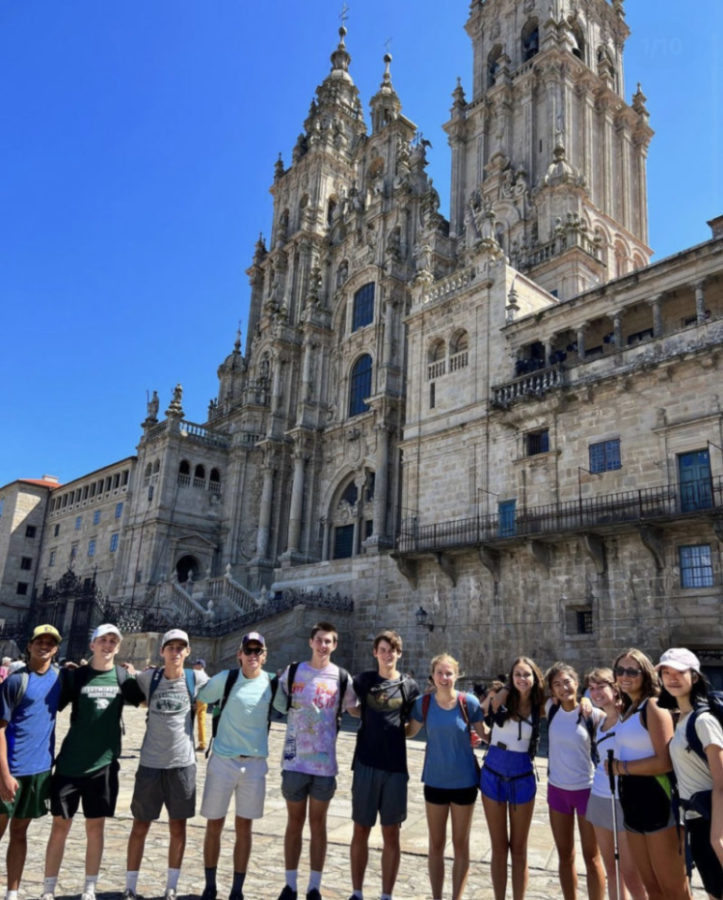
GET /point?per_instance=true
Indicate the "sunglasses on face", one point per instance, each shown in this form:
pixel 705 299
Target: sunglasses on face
pixel 624 670
pixel 253 651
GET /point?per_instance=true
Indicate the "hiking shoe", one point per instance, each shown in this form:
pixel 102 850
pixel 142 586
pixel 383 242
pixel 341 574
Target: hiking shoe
pixel 287 894
pixel 313 894
pixel 209 892
pixel 87 895
pixel 48 895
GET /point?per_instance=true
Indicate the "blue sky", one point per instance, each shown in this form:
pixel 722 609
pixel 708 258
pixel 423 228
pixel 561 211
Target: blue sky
pixel 137 143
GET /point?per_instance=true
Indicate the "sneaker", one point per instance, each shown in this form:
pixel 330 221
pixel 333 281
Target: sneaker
pixel 235 895
pixel 48 895
pixel 128 894
pixel 87 895
pixel 287 893
pixel 313 894
pixel 209 893
pixel 170 894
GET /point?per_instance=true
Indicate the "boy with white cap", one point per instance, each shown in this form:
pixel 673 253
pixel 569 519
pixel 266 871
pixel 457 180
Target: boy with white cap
pixel 87 766
pixel 167 771
pixel 28 706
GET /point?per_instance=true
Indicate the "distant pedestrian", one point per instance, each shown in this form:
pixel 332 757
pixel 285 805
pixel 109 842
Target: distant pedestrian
pixel 237 766
pixel 380 778
pixel 28 705
pixel 166 775
pixel 201 709
pixel 313 695
pixel 87 766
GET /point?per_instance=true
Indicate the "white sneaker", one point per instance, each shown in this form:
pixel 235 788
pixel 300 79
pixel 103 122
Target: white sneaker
pixel 170 894
pixel 128 894
pixel 87 895
pixel 48 895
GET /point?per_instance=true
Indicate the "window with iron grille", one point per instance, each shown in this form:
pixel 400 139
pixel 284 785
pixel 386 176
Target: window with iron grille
pixel 538 442
pixel 604 456
pixel 696 566
pixel 363 308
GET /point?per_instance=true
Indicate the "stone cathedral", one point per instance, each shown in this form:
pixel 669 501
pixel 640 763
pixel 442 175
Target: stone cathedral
pixel 498 432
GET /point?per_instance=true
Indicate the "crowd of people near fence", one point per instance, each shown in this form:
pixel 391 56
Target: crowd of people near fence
pixel 635 763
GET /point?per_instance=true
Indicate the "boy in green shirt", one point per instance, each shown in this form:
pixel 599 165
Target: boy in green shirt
pixel 87 766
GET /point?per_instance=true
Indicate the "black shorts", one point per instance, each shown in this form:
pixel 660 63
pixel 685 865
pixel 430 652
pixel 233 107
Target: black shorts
pixel 445 796
pixel 706 862
pixel 646 803
pixel 98 791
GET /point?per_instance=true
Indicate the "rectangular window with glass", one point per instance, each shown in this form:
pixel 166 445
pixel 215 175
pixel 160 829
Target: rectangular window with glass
pixel 96 516
pixel 78 522
pixel 30 531
pixel 118 510
pixel 696 566
pixel 91 547
pixel 604 456
pixel 51 558
pixel 26 562
pixel 114 542
pixel 22 588
pixel 363 307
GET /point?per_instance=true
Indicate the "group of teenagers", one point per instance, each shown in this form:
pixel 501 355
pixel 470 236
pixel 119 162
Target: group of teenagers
pixel 613 758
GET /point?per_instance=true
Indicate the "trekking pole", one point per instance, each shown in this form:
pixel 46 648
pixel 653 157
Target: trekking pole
pixel 616 848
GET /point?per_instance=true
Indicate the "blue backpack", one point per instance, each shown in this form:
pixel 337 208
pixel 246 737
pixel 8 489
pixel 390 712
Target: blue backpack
pixel 713 705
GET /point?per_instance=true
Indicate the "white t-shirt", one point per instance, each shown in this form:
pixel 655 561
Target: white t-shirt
pixel 691 771
pixel 571 767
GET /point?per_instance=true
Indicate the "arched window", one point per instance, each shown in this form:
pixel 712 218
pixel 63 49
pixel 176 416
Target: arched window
pixel 493 65
pixel 184 473
pixel 350 494
pixel 330 210
pixel 156 467
pixel 363 308
pixel 147 473
pixel 458 350
pixel 436 359
pixel 530 40
pixel 578 48
pixel 199 476
pixel 360 385
pixel 214 481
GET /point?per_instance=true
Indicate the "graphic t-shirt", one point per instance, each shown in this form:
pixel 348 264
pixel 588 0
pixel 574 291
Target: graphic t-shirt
pixel 385 707
pixel 310 744
pixel 30 733
pixel 168 741
pixel 94 738
pixel 243 727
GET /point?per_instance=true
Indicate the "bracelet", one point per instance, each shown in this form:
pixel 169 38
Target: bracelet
pixel 625 766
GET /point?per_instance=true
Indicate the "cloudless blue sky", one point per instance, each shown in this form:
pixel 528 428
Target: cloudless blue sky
pixel 137 143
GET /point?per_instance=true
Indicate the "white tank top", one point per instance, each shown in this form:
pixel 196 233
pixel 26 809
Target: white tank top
pixel 514 734
pixel 632 740
pixel 605 741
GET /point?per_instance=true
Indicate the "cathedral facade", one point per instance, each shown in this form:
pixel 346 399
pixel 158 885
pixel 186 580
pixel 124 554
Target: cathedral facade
pixel 498 432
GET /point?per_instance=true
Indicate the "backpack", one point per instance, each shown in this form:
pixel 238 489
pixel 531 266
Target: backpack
pixel 343 683
pixel 713 705
pixel 231 679
pixel 190 687
pixel 21 686
pixel 589 725
pixel 499 716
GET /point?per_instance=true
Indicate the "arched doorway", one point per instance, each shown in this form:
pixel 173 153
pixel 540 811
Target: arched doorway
pixel 184 566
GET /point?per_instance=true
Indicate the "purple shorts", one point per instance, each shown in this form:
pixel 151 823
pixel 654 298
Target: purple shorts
pixel 567 802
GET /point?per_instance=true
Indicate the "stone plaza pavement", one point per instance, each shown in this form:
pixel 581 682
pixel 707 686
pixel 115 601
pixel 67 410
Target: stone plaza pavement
pixel 266 871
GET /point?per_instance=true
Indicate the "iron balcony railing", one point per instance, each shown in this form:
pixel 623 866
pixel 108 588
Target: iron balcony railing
pixel 645 505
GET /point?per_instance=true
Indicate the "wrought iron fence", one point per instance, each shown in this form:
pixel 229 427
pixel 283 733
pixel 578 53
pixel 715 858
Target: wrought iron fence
pixel 643 505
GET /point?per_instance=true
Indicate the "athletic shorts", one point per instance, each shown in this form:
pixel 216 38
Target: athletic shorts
pixel 704 856
pixel 600 813
pixel 445 796
pixel 176 788
pixel 31 799
pixel 297 786
pixel 508 777
pixel 376 791
pixel 98 791
pixel 646 803
pixel 567 802
pixel 241 776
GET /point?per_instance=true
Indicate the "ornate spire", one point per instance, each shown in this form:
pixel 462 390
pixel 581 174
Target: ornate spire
pixel 340 58
pixel 385 104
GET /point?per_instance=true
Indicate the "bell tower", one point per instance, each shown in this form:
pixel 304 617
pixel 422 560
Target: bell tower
pixel 548 143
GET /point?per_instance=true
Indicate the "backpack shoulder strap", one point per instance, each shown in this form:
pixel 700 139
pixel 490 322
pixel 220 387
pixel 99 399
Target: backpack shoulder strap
pixel 191 688
pixel 343 684
pixel 290 683
pixel 551 713
pixel 155 681
pixel 21 688
pixel 426 700
pixel 462 700
pixel 274 685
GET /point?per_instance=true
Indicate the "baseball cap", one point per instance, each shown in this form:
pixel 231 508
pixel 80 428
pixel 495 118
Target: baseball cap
pixel 175 634
pixel 46 629
pixel 680 659
pixel 253 636
pixel 200 662
pixel 107 628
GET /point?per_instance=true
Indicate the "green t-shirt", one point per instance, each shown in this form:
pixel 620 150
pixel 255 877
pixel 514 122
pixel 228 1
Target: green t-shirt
pixel 94 738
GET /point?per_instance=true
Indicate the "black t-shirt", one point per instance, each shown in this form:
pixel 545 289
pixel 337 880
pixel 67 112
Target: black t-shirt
pixel 385 707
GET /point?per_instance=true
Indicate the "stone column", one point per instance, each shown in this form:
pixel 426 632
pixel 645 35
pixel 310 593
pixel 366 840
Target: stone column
pixel 297 502
pixel 699 303
pixel 264 531
pixel 581 342
pixel 618 331
pixel 388 332
pixel 656 304
pixel 325 539
pixel 380 483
